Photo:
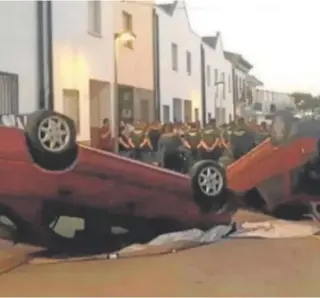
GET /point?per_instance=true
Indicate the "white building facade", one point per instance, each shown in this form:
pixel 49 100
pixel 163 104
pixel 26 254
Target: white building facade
pixel 240 72
pixel 218 81
pixel 82 50
pixel 18 57
pixel 179 67
pixel 268 101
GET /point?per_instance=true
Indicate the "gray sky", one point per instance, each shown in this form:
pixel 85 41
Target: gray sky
pixel 280 38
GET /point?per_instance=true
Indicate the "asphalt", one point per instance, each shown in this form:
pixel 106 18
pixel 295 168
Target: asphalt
pixel 242 267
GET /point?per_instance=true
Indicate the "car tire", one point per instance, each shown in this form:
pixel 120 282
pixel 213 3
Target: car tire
pixel 209 186
pixel 42 137
pixel 281 127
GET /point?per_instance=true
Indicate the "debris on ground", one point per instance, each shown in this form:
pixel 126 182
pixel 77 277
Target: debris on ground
pixel 178 241
pixel 276 229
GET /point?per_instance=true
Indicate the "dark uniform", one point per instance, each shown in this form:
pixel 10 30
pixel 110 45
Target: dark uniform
pixel 242 139
pixel 124 147
pixel 210 138
pixel 153 136
pixel 263 133
pixel 192 139
pixel 137 141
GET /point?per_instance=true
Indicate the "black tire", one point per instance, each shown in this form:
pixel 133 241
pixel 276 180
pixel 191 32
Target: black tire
pixel 39 120
pixel 281 127
pixel 215 200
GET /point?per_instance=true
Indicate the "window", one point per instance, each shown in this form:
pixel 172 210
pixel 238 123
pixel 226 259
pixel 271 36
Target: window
pixel 188 63
pixel 144 110
pixel 9 93
pixel 174 56
pixel 208 75
pixel 216 75
pixel 94 17
pixel 127 27
pixel 166 113
pixel 223 80
pixel 196 115
pixel 257 106
pixel 187 111
pixel 177 109
pixel 71 106
pixel 229 84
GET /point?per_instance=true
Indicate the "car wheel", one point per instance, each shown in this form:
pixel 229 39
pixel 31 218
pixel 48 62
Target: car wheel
pixel 209 185
pixel 281 127
pixel 50 132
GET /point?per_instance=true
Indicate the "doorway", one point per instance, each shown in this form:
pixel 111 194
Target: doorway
pixel 99 95
pixel 187 111
pixel 177 109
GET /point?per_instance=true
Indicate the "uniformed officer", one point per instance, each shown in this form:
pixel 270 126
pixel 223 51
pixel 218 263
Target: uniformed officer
pixel 210 138
pixel 191 141
pixel 138 140
pixel 168 148
pixel 264 132
pixel 153 134
pixel 242 139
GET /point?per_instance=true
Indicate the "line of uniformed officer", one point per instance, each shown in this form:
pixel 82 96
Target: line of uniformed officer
pixel 156 143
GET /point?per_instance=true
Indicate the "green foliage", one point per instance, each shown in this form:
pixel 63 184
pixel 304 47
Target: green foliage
pixel 306 101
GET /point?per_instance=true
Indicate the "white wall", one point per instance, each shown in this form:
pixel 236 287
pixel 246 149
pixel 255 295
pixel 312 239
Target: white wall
pixel 79 56
pixel 179 84
pixel 268 97
pixel 18 49
pixel 214 94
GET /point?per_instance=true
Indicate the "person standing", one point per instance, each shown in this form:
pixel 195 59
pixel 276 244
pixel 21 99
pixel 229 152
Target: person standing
pixel 168 154
pixel 191 141
pixel 153 134
pixel 243 139
pixel 209 141
pixel 138 140
pixel 104 135
pixel 124 147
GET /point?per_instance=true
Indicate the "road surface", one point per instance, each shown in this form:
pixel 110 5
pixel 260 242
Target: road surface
pixel 243 267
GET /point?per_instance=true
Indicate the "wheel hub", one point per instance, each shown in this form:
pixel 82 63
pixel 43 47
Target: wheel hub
pixel 210 181
pixel 54 134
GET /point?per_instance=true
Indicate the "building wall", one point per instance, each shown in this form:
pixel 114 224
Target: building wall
pixel 80 56
pixel 135 66
pixel 214 93
pixel 18 49
pixel 77 56
pixel 179 84
pixel 267 97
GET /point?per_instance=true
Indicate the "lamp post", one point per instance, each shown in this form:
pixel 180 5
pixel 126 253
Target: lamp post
pixel 119 39
pixel 217 84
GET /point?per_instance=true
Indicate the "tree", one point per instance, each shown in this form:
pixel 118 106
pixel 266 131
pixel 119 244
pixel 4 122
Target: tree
pixel 305 101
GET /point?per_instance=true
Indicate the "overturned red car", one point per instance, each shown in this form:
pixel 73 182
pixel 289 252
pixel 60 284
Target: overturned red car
pixel 45 174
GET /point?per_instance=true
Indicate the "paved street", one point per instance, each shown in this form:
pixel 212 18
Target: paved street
pixel 243 267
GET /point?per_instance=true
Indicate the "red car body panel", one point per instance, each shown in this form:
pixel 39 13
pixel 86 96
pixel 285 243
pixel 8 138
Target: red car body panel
pixel 268 169
pixel 97 179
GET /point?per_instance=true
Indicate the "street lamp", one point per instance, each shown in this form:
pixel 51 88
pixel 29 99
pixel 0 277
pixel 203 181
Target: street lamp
pixel 119 39
pixel 217 84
